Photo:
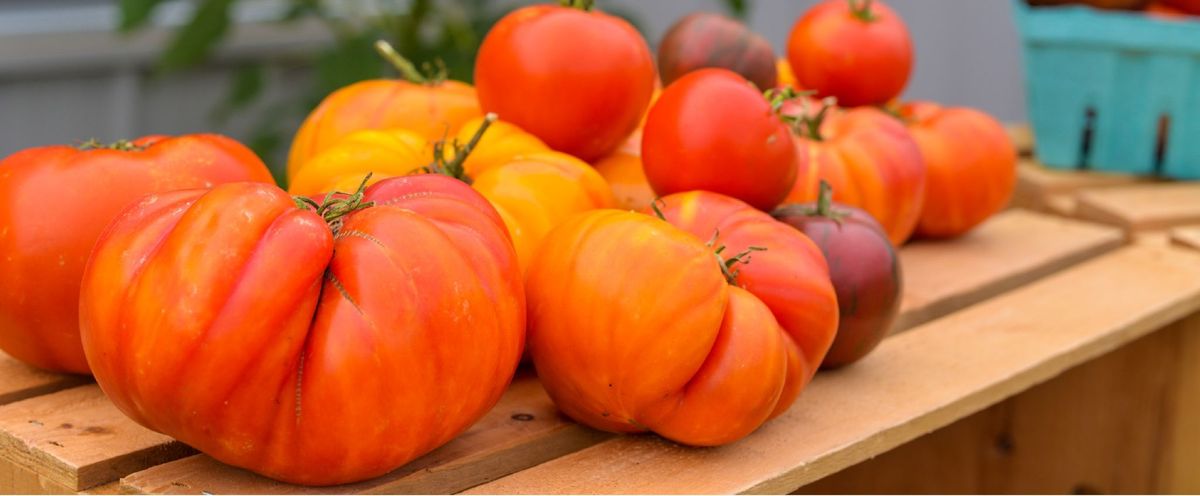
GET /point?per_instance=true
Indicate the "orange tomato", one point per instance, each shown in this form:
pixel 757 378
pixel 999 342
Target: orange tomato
pixel 577 79
pixel 341 167
pixel 306 346
pixel 54 203
pixel 624 173
pixel 970 163
pixel 785 76
pixel 870 160
pixel 672 339
pixel 430 107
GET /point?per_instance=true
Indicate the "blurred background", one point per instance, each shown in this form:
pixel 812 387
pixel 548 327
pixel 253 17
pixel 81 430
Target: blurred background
pixel 72 70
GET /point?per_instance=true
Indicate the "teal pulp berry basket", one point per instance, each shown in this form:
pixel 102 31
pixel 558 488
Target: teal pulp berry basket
pixel 1112 91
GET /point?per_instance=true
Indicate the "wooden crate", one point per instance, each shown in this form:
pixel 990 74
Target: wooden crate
pixel 981 277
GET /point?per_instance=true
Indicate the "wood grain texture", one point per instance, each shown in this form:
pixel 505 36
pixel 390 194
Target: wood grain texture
pixel 1142 207
pixel 1180 439
pixel 1009 250
pixel 1053 190
pixel 916 382
pixel 1186 236
pixel 1097 428
pixel 523 430
pixel 19 381
pixel 77 439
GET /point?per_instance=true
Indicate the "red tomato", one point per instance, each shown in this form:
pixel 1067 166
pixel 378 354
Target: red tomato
pixel 55 201
pixel 863 267
pixel 307 347
pixel 858 51
pixel 871 161
pixel 678 340
pixel 712 130
pixel 970 167
pixel 578 80
pixel 704 39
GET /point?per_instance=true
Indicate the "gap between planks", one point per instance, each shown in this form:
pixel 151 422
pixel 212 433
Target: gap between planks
pixel 915 383
pixel 1141 208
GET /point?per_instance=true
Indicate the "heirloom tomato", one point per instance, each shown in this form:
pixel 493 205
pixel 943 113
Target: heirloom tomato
pixel 623 171
pixel 858 51
pixel 970 166
pixel 55 201
pixel 705 39
pixel 871 161
pixel 712 130
pixel 579 80
pixel 342 166
pixel 316 347
pixel 427 105
pixel 863 267
pixel 637 324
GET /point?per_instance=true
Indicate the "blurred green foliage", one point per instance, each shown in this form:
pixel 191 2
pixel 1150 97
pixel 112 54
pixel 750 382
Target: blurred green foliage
pixel 425 31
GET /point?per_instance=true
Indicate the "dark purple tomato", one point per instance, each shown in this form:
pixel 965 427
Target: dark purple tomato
pixel 863 267
pixel 704 39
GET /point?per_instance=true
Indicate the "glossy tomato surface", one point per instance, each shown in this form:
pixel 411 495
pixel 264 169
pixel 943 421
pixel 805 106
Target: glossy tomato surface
pixel 55 201
pixel 635 327
pixel 865 273
pixel 871 161
pixel 704 39
pixel 310 352
pixel 970 163
pixel 578 80
pixel 861 59
pixel 712 130
pixel 625 175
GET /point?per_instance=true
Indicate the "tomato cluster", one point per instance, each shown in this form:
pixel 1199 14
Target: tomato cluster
pixel 674 256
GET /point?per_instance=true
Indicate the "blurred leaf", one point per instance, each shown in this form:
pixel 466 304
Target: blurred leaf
pixel 199 37
pixel 350 60
pixel 135 13
pixel 298 9
pixel 245 85
pixel 738 8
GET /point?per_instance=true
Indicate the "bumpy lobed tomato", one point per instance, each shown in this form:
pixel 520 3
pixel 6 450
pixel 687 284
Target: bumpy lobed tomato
pixel 624 174
pixel 578 80
pixel 532 187
pixel 864 270
pixel 342 166
pixel 635 324
pixel 310 352
pixel 712 130
pixel 970 166
pixel 858 51
pixel 705 39
pixel 55 201
pixel 870 160
pixel 428 106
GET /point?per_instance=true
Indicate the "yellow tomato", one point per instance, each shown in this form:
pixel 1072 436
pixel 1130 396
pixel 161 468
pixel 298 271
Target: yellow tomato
pixel 623 171
pixel 341 167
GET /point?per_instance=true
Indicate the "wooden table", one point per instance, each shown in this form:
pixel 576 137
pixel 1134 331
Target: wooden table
pixel 1029 329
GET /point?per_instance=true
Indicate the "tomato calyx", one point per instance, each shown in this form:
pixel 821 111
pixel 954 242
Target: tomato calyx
pixel 456 167
pixel 807 124
pixel 823 208
pixel 119 145
pixel 862 10
pixel 729 266
pixel 584 5
pixel 432 75
pixel 337 204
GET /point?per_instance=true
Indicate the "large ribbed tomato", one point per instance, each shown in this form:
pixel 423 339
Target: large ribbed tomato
pixel 426 106
pixel 55 201
pixel 636 324
pixel 579 80
pixel 342 166
pixel 970 166
pixel 870 160
pixel 712 130
pixel 304 346
pixel 858 51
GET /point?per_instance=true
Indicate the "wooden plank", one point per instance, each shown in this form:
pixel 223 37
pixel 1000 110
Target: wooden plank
pixel 1143 207
pixel 1187 237
pixel 76 439
pixel 523 430
pixel 1022 138
pixel 19 381
pixel 1009 250
pixel 1096 429
pixel 1052 190
pixel 1181 436
pixel 1012 249
pixel 915 383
